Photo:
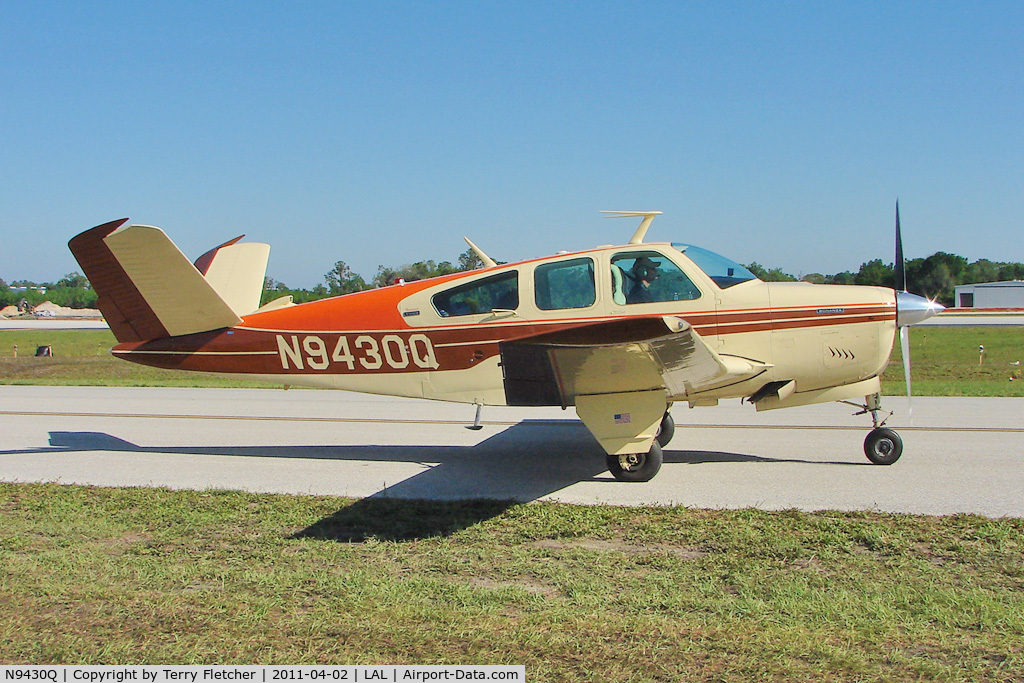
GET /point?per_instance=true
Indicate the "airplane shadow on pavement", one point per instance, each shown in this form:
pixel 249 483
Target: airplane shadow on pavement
pixel 459 486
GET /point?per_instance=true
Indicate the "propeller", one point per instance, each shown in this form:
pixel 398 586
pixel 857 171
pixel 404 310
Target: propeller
pixel 910 308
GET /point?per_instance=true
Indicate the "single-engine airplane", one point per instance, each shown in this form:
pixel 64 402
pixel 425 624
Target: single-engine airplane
pixel 619 332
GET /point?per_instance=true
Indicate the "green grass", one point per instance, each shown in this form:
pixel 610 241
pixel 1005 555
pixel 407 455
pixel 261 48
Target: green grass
pixel 82 357
pixel 90 575
pixel 945 362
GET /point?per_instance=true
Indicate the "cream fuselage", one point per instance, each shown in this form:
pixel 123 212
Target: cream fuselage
pixel 395 340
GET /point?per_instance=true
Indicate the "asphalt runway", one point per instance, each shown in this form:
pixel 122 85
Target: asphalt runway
pixel 961 455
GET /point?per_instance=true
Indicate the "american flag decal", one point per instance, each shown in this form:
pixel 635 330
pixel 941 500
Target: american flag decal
pixel 622 418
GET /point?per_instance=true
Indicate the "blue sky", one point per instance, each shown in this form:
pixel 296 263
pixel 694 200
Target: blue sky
pixel 380 133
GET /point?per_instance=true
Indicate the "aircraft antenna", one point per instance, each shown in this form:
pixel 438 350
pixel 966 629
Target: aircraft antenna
pixel 641 232
pixel 488 261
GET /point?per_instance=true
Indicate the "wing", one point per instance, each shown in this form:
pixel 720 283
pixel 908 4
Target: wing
pixel 620 375
pixel 634 355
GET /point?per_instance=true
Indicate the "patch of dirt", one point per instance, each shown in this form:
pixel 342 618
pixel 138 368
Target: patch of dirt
pixel 621 546
pixel 525 583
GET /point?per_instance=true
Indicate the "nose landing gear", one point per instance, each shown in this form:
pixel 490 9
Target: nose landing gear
pixel 882 445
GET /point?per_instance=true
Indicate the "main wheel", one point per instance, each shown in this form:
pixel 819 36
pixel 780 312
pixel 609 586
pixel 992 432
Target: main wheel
pixel 636 466
pixel 883 446
pixel 667 430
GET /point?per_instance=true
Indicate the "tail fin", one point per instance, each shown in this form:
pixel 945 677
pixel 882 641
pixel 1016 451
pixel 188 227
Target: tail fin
pixel 236 271
pixel 147 289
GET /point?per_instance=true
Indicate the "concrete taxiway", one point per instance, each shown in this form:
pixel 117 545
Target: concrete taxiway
pixel 961 455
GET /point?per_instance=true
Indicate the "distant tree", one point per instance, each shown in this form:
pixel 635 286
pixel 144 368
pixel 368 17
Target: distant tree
pixel 1011 271
pixel 757 269
pixel 777 275
pixel 71 297
pixel 341 280
pixel 874 273
pixel 981 270
pixel 274 289
pixel 318 292
pixel 843 278
pixel 772 275
pixel 468 260
pixel 421 270
pixel 936 276
pixel 75 279
pixel 814 278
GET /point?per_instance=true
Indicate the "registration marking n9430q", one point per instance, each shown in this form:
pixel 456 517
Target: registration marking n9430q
pixel 361 352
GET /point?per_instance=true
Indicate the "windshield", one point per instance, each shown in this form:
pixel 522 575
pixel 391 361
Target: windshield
pixel 724 272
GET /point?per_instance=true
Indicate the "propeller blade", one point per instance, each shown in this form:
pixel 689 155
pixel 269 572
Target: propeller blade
pixel 899 266
pixel 905 349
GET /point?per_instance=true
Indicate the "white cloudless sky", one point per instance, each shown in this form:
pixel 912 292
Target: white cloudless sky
pixel 380 133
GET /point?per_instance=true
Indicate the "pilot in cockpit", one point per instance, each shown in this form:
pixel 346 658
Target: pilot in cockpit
pixel 644 273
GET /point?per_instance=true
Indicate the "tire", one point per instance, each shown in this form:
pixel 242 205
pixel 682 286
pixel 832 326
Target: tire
pixel 636 466
pixel 883 446
pixel 666 431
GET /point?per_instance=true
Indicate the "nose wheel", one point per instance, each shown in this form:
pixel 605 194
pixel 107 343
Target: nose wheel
pixel 882 445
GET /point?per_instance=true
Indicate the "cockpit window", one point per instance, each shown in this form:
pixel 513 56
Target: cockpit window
pixel 724 272
pixel 499 292
pixel 644 277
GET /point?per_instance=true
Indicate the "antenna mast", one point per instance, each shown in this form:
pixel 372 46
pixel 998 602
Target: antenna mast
pixel 641 232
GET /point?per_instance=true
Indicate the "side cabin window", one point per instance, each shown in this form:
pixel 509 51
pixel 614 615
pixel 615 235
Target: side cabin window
pixel 480 296
pixel 565 284
pixel 643 277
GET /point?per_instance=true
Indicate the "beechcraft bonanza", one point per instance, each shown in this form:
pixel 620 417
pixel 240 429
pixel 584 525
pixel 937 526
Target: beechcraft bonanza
pixel 619 332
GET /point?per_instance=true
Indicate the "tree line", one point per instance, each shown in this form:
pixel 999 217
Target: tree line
pixel 934 277
pixel 72 290
pixel 342 280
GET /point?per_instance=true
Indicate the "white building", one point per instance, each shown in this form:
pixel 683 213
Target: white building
pixel 1008 294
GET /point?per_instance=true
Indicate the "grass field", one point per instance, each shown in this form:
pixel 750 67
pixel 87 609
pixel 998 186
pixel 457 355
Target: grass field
pixel 92 575
pixel 82 357
pixel 574 593
pixel 945 362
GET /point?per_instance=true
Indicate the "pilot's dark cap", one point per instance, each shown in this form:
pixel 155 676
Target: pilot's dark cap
pixel 646 262
pixel 643 263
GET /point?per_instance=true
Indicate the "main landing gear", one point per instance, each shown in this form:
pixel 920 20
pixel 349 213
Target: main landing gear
pixel 666 430
pixel 882 445
pixel 640 467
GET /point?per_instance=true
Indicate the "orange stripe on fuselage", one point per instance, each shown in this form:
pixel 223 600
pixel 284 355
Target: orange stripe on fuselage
pixel 254 348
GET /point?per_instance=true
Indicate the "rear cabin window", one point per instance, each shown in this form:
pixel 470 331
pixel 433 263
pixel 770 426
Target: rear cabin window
pixel 499 292
pixel 644 277
pixel 566 284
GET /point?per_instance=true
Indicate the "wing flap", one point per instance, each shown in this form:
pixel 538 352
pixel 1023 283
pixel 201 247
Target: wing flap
pixel 622 356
